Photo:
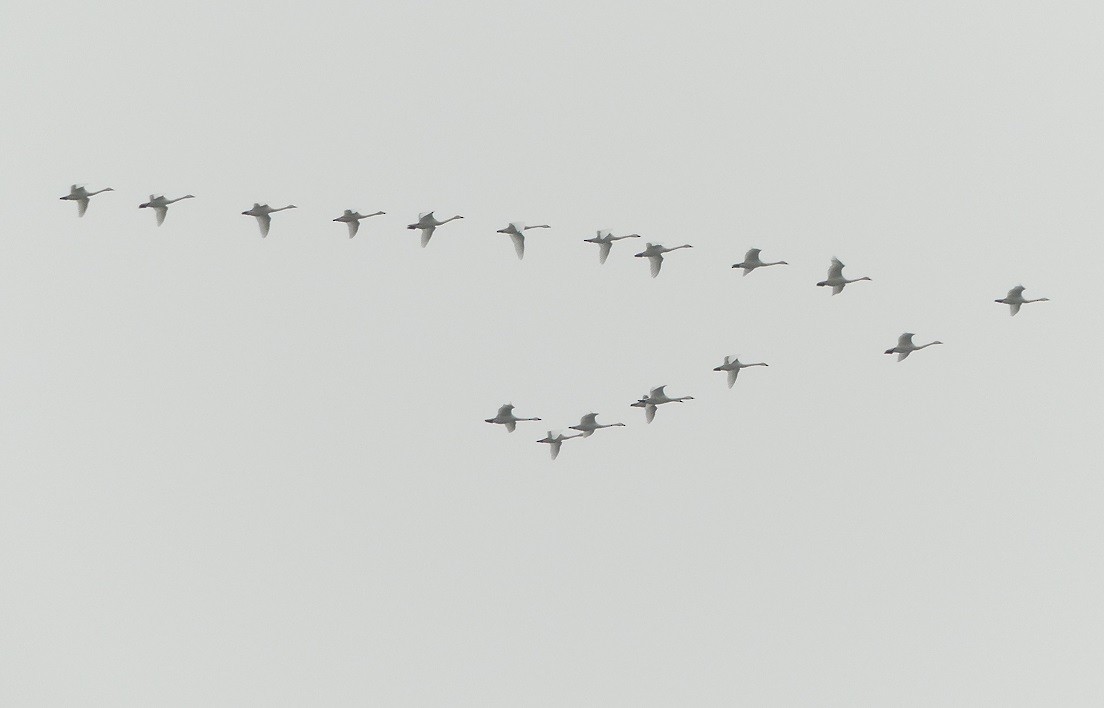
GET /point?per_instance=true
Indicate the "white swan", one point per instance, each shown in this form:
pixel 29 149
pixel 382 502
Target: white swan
pixel 905 346
pixel 732 365
pixel 657 397
pixel 1015 298
pixel 752 261
pixel 654 254
pixel 605 240
pixel 352 220
pixel 262 213
pixel 505 416
pixel 588 424
pixel 516 232
pixel 427 223
pixel 80 195
pixel 160 205
pixel 835 279
pixel 555 440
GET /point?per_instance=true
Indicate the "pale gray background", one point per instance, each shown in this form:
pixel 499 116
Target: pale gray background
pixel 254 472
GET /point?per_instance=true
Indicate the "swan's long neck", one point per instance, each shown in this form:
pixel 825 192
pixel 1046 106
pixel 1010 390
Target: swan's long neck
pixel 537 226
pixel 776 263
pixel 98 191
pixel 685 245
pixel 186 196
pixel 451 218
pixel 1038 299
pixel 923 346
pixel 845 280
pixel 289 206
pixel 758 363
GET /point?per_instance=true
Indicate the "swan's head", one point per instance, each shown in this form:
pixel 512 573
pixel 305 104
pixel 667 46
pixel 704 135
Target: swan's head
pixel 937 342
pixel 107 189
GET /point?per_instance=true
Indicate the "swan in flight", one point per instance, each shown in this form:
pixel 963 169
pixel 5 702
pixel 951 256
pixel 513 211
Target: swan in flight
pixel 555 440
pixel 905 346
pixel 588 424
pixel 835 279
pixel 732 365
pixel 505 416
pixel 80 195
pixel 262 213
pixel 657 397
pixel 1015 298
pixel 352 220
pixel 516 232
pixel 160 205
pixel 752 261
pixel 605 240
pixel 427 223
pixel 654 254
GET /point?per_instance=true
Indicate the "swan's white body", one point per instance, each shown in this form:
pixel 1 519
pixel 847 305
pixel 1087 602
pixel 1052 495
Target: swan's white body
pixel 905 346
pixel 160 205
pixel 605 240
pixel 352 219
pixel 752 261
pixel 427 223
pixel 1015 298
pixel 516 232
pixel 589 423
pixel 505 416
pixel 732 365
pixel 657 397
pixel 835 279
pixel 554 440
pixel 80 195
pixel 654 254
pixel 262 213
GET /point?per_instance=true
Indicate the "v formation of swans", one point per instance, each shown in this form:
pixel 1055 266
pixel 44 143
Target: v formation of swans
pixel 427 223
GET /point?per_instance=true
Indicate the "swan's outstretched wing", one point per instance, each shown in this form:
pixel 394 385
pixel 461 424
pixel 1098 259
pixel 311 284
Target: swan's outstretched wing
pixel 504 411
pixel 1016 292
pixel 1014 307
pixel 263 221
pixel 752 255
pixel 732 373
pixel 82 206
pixel 835 270
pixel 554 448
pixel 427 233
pixel 519 244
pixel 649 412
pixel 162 212
pixel 837 289
pixel 604 251
pixel 511 426
pixel 588 420
pixel 901 356
pixel 354 226
pixel 905 340
pixel 656 262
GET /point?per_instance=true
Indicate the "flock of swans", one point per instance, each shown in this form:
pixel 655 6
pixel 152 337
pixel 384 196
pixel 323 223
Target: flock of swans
pixel 427 223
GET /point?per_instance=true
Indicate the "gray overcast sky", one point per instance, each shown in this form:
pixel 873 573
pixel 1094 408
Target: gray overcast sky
pixel 239 471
